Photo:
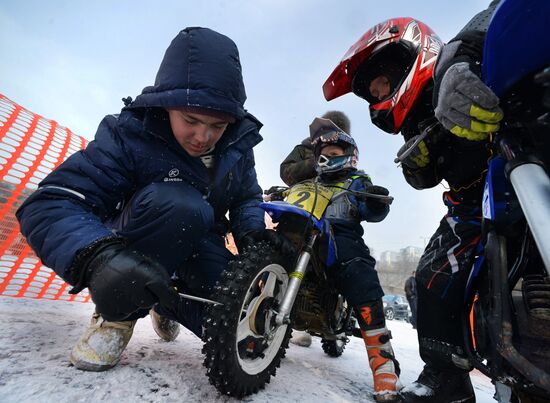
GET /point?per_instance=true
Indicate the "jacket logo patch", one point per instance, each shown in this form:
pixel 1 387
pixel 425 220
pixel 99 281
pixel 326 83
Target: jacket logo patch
pixel 173 176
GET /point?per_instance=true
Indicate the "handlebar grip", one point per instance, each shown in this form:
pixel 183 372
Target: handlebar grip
pixel 381 198
pixel 275 189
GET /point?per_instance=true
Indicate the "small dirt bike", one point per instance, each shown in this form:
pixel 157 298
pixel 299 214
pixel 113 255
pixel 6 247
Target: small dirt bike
pixel 265 293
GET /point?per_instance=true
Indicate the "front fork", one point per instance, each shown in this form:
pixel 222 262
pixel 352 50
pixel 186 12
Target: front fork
pixel 296 277
pixel 532 186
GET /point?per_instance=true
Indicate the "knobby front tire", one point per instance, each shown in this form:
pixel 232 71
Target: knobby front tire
pixel 243 346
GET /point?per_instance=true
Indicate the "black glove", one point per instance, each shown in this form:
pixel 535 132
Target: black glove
pixel 375 205
pixel 279 241
pixel 275 193
pixel 122 281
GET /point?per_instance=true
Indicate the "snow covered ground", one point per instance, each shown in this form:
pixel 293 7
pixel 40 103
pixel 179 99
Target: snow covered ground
pixel 36 337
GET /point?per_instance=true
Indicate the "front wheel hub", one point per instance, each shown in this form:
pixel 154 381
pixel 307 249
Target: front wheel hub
pixel 261 314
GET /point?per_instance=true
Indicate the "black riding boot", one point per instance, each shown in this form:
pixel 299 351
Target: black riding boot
pixel 435 386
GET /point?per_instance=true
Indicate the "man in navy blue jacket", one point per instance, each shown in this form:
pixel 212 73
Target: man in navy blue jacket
pixel 145 204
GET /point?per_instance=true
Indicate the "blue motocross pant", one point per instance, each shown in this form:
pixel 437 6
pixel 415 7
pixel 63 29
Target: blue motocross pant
pixel 173 224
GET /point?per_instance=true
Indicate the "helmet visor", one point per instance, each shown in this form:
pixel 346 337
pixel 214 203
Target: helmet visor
pixel 327 164
pixel 344 140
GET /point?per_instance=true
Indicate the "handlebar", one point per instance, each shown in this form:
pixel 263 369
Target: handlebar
pixel 275 189
pixel 277 193
pixel 428 130
pixel 365 195
pixel 401 157
pixel 381 198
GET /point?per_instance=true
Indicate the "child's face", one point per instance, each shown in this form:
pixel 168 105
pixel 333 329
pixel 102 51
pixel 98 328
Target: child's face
pixel 196 133
pixel 332 150
pixel 380 87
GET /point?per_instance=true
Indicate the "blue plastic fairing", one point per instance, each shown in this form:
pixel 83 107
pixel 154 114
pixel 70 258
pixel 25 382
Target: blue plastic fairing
pixel 517 43
pixel 276 209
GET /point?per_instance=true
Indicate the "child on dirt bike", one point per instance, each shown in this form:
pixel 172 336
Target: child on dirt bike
pixel 336 154
pixel 393 67
pixel 300 165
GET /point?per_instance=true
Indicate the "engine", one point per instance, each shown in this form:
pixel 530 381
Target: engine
pixel 315 307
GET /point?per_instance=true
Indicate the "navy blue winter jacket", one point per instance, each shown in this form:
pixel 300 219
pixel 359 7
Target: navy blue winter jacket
pixel 72 205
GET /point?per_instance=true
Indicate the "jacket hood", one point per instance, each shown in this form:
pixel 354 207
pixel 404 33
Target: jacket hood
pixel 306 142
pixel 201 68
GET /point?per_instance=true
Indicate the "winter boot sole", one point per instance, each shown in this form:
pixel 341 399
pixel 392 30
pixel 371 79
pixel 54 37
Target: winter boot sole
pixel 88 366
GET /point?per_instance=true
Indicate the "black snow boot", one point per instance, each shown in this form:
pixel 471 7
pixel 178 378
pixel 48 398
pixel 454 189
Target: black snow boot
pixel 435 386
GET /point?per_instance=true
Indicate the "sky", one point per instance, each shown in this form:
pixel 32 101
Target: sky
pixel 73 61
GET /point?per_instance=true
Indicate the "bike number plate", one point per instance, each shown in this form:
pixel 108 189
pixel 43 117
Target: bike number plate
pixel 311 198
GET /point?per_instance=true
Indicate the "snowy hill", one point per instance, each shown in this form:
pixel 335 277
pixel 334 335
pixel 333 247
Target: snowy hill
pixel 36 337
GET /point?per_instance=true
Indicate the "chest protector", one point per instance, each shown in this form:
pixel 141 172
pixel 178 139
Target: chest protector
pixel 341 207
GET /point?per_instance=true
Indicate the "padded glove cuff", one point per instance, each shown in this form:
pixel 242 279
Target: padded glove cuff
pixel 80 272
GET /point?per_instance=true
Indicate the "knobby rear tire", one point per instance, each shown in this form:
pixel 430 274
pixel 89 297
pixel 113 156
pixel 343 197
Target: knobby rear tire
pixel 333 348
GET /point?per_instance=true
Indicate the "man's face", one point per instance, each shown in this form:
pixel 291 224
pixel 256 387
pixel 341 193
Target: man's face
pixel 196 133
pixel 332 150
pixel 380 87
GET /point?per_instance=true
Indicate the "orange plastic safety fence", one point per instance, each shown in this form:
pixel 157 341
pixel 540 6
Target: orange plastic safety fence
pixel 30 148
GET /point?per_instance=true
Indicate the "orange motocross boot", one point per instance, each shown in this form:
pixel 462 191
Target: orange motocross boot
pixel 384 366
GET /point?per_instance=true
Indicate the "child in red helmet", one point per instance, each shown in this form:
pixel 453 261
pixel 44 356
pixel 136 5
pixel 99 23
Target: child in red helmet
pixel 392 67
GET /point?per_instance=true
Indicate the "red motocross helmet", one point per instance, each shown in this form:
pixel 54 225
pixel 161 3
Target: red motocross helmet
pixel 404 50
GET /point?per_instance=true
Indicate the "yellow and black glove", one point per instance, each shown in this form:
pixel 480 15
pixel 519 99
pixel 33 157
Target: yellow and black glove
pixel 466 106
pixel 418 157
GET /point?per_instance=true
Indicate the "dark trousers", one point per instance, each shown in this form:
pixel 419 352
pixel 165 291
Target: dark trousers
pixel 355 275
pixel 441 278
pixel 173 224
pixel 412 303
